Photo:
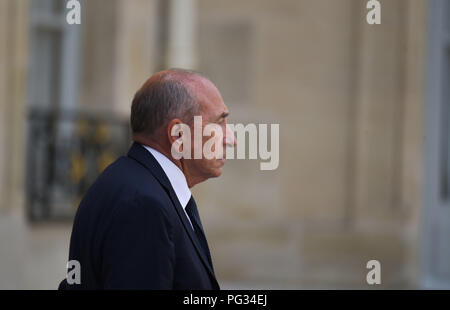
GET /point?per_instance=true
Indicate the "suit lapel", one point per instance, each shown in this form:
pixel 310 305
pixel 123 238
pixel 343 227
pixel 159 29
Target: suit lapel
pixel 190 231
pixel 143 156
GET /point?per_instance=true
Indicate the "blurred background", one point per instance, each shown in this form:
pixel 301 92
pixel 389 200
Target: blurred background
pixel 364 131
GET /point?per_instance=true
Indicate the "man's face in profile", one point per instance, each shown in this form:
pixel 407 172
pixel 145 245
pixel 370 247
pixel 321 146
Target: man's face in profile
pixel 213 111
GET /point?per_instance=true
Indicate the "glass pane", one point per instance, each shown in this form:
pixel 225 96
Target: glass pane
pixel 48 6
pixel 446 17
pixel 445 190
pixel 45 65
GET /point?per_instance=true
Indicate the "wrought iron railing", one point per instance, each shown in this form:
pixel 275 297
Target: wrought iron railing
pixel 66 151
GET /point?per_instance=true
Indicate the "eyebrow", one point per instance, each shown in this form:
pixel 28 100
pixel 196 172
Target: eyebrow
pixel 223 115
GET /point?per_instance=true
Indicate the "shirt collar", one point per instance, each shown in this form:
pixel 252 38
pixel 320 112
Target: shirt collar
pixel 175 176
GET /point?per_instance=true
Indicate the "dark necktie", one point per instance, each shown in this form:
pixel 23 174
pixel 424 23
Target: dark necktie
pixel 191 210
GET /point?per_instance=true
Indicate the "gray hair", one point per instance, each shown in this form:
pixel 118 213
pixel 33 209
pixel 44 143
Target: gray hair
pixel 163 97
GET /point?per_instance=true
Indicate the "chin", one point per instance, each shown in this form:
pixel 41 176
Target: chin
pixel 217 173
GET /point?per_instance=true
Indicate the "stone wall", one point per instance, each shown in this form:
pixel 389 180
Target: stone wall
pixel 348 98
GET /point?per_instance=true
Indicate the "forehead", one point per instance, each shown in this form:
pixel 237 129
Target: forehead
pixel 207 95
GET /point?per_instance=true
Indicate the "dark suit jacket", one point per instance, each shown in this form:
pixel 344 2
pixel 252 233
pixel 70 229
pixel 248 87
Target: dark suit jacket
pixel 130 232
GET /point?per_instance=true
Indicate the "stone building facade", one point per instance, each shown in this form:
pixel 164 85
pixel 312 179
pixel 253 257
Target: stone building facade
pixel 350 98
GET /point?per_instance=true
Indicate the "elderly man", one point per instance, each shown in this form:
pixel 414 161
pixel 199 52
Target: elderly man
pixel 138 225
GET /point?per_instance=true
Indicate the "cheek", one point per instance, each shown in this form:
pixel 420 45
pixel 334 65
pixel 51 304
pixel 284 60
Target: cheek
pixel 203 164
pixel 210 165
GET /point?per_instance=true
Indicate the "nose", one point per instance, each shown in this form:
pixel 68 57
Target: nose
pixel 229 139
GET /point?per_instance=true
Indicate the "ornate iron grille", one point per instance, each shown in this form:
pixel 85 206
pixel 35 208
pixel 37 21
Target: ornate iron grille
pixel 66 151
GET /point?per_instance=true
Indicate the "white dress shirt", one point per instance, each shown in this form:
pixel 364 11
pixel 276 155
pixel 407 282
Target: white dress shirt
pixel 176 178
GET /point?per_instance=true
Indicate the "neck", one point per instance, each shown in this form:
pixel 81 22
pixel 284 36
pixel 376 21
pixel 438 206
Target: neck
pixel 181 164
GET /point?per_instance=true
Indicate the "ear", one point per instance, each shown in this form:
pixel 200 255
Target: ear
pixel 179 136
pixel 171 128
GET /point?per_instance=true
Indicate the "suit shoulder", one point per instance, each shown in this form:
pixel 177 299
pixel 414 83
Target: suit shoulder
pixel 123 183
pixel 126 175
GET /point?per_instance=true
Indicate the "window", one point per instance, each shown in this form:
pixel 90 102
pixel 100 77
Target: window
pixel 444 38
pixel 66 148
pixel 436 210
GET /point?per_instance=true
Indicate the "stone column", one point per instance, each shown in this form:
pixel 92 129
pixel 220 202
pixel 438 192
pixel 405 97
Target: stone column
pixel 182 30
pixel 13 55
pixel 119 52
pixel 380 114
pixel 135 57
pixel 389 99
